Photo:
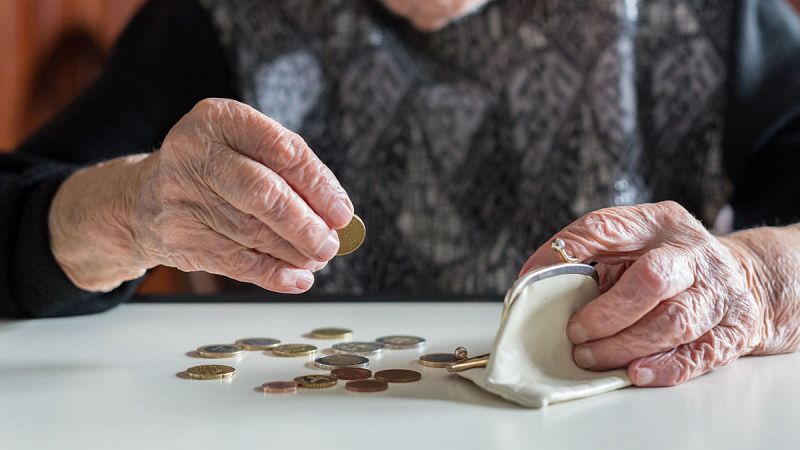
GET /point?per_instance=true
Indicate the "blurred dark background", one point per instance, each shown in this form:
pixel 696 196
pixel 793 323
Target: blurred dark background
pixel 51 49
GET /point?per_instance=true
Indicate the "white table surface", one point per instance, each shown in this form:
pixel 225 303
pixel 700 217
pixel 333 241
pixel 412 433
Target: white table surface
pixel 110 381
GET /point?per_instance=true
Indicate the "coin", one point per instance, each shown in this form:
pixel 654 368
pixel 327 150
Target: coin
pixel 401 342
pixel 280 387
pixel 366 386
pixel 358 348
pixel 258 343
pixel 398 376
pixel 210 372
pixel 331 333
pixel 337 361
pixel 293 350
pixel 351 373
pixel 440 360
pixel 219 350
pixel 351 236
pixel 316 381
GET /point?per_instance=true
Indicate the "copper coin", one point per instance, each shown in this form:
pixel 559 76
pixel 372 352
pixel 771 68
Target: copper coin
pixel 398 376
pixel 351 373
pixel 280 387
pixel 366 386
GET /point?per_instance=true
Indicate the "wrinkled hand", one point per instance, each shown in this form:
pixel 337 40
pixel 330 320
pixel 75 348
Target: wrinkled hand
pixel 675 301
pixel 230 192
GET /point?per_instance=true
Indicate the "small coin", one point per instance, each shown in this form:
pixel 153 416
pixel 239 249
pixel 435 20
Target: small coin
pixel 351 236
pixel 280 387
pixel 210 372
pixel 366 386
pixel 316 381
pixel 401 342
pixel 338 361
pixel 440 360
pixel 398 376
pixel 331 333
pixel 351 373
pixel 258 343
pixel 219 350
pixel 294 350
pixel 358 348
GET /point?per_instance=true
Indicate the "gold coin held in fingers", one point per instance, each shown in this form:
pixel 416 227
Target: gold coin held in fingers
pixel 210 372
pixel 351 236
pixel 293 350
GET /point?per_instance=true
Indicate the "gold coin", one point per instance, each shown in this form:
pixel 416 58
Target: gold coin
pixel 351 236
pixel 331 333
pixel 258 343
pixel 210 372
pixel 220 350
pixel 292 350
pixel 316 381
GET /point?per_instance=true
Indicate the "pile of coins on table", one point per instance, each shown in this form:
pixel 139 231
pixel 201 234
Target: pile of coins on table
pixel 348 363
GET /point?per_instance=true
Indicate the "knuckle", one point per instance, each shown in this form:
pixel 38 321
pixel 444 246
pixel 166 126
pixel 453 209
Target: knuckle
pixel 308 235
pixel 677 320
pixel 676 216
pixel 207 106
pixel 243 264
pixel 605 225
pixel 270 197
pixel 287 150
pixel 653 274
pixel 264 238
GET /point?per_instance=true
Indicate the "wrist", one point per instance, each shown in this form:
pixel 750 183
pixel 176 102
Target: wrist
pixel 762 255
pixel 92 222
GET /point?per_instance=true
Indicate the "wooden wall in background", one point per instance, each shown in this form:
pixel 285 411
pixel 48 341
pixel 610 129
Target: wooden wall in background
pixel 29 30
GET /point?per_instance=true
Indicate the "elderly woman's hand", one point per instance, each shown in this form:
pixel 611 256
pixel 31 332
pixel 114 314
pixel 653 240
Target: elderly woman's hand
pixel 675 301
pixel 229 192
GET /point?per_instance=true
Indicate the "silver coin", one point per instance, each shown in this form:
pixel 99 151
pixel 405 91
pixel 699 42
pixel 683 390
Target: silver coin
pixel 220 350
pixel 358 348
pixel 401 342
pixel 258 343
pixel 341 361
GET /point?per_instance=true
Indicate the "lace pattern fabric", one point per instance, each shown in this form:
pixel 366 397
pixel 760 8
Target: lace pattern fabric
pixel 465 149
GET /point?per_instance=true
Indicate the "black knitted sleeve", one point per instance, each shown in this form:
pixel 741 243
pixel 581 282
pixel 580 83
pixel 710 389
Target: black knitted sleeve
pixel 166 60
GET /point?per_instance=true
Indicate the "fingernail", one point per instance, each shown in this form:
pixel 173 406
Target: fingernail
pixel 317 266
pixel 304 279
pixel 340 214
pixel 584 358
pixel 644 376
pixel 330 247
pixel 576 333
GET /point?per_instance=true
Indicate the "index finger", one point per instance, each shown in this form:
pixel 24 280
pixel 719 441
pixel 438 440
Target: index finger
pixel 658 275
pixel 262 139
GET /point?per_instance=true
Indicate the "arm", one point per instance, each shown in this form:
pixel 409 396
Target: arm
pixel 166 60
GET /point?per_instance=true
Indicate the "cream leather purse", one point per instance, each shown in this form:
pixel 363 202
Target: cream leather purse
pixel 531 361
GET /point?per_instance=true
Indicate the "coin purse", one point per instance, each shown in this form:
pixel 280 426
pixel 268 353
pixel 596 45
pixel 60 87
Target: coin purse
pixel 531 361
